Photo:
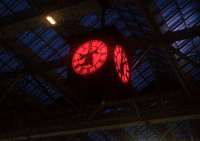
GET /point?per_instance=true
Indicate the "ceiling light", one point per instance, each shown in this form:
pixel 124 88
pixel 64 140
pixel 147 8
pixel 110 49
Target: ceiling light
pixel 51 20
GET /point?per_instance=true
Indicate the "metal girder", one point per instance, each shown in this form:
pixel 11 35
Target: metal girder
pixel 195 132
pixel 33 65
pixel 29 126
pixel 184 56
pixel 187 33
pixel 36 68
pixel 67 17
pixel 170 36
pixel 179 75
pixel 28 57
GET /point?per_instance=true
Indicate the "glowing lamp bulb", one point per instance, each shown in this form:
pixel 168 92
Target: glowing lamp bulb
pixel 51 20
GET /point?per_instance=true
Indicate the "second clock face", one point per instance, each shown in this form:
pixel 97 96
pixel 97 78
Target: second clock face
pixel 89 57
pixel 121 64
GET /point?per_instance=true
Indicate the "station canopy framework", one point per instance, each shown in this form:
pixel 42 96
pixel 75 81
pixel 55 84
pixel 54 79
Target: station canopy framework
pixel 162 37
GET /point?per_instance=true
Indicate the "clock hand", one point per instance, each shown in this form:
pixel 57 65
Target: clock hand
pixel 87 60
pixel 82 56
pixel 94 51
pixel 86 55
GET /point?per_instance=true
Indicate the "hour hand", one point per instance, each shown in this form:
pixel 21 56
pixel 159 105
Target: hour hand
pixel 83 56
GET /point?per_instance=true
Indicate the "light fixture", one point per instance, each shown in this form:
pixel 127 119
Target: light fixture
pixel 51 20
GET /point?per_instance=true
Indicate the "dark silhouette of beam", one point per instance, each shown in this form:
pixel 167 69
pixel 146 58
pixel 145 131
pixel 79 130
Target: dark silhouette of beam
pixel 36 68
pixel 184 56
pixel 187 33
pixel 29 58
pixel 195 132
pixel 34 128
pixel 165 46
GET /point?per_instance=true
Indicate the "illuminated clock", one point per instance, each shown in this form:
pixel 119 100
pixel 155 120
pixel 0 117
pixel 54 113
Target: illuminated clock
pixel 89 57
pixel 121 64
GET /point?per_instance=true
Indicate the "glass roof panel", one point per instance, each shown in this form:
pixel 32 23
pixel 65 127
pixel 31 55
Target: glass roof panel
pixel 10 7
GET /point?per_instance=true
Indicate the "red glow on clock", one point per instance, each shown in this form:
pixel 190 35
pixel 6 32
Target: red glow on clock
pixel 89 57
pixel 121 64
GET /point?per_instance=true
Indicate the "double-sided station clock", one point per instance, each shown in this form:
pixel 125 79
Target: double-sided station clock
pixel 99 69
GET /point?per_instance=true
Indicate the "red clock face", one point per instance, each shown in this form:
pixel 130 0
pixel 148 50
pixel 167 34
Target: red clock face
pixel 121 64
pixel 89 57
